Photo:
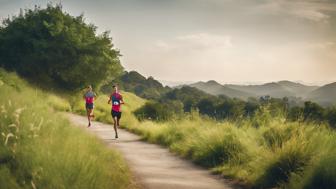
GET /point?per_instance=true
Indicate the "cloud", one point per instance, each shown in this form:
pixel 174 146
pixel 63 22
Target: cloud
pixel 306 9
pixel 197 41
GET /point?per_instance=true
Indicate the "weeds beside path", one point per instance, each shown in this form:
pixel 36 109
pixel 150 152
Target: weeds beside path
pixel 154 166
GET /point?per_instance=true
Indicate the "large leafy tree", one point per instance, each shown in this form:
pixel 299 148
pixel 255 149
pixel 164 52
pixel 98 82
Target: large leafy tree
pixel 52 48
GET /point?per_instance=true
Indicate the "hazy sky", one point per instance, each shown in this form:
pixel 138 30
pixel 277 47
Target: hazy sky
pixel 226 40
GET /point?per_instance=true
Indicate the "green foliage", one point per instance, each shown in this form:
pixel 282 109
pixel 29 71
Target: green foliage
pixel 223 108
pixel 323 174
pixel 159 111
pixel 331 117
pixel 54 49
pixel 132 81
pixel 275 137
pixel 39 148
pixel 313 112
pixel 218 146
pixel 291 158
pixel 189 96
pixel 206 106
pixel 276 153
pixel 260 111
pixel 295 114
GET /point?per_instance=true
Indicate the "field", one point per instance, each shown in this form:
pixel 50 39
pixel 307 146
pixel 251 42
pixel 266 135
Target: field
pixel 276 153
pixel 40 149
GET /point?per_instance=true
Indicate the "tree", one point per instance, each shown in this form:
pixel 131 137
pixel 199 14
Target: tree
pixel 206 106
pixel 313 112
pixel 53 48
pixel 159 111
pixel 250 108
pixel 331 117
pixel 295 113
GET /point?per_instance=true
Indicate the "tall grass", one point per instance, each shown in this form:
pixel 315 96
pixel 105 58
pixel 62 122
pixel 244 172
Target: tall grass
pixel 261 152
pixel 269 156
pixel 39 148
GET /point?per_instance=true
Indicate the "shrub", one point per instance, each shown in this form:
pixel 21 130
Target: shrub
pixel 215 147
pixel 276 136
pixel 323 174
pixel 158 111
pixel 290 159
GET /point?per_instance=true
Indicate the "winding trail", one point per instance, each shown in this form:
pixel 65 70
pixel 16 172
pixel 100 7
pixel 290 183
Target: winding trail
pixel 153 166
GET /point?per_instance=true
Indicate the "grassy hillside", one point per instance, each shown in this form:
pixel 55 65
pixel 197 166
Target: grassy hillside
pixel 274 154
pixel 39 148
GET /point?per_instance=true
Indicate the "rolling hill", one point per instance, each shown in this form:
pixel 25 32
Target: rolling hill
pixel 325 95
pixel 214 88
pixel 276 89
pixel 150 88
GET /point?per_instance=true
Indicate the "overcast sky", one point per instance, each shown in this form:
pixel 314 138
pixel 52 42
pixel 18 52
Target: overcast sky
pixel 231 41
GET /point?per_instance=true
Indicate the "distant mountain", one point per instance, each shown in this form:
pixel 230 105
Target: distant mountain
pixel 276 89
pixel 152 89
pixel 214 88
pixel 271 89
pixel 297 88
pixel 325 95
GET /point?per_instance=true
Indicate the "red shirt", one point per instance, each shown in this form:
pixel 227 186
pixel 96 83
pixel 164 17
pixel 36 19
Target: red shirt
pixel 89 97
pixel 116 99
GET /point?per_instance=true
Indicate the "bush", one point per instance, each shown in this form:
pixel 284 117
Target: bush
pixel 323 174
pixel 214 147
pixel 290 159
pixel 276 136
pixel 159 111
pixel 331 117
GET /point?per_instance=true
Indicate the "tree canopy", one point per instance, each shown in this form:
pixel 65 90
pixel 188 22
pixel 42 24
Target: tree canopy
pixel 52 48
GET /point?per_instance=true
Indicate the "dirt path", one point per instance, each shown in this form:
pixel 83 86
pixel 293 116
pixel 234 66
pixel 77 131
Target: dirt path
pixel 154 166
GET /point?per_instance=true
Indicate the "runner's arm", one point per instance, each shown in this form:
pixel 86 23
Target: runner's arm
pixel 109 101
pixel 121 100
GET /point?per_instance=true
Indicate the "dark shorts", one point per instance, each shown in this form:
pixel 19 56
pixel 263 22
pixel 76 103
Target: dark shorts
pixel 89 105
pixel 115 114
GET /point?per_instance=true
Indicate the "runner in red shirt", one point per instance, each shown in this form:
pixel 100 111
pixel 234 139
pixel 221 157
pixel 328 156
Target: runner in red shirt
pixel 89 98
pixel 117 101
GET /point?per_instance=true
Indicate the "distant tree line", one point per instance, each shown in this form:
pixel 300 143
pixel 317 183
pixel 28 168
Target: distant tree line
pixel 186 99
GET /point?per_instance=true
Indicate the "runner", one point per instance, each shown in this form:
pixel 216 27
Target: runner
pixel 89 98
pixel 116 100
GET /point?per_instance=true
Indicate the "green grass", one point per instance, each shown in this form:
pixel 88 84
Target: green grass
pixel 264 152
pixel 40 149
